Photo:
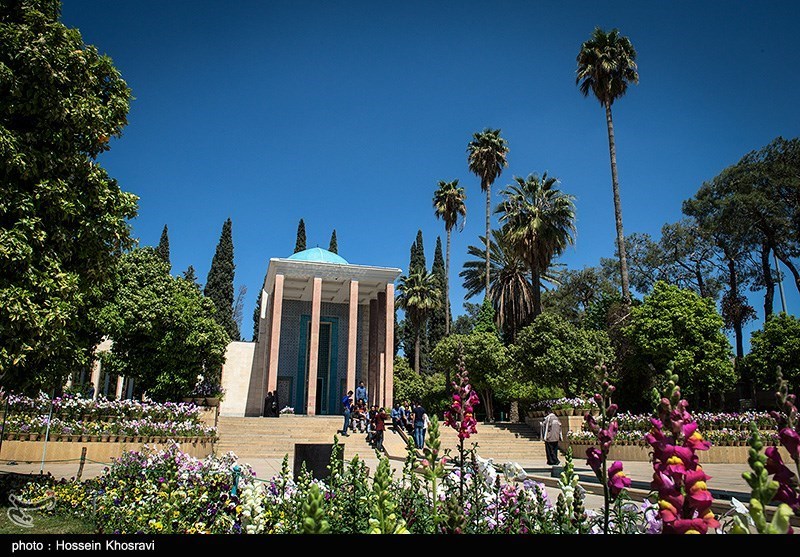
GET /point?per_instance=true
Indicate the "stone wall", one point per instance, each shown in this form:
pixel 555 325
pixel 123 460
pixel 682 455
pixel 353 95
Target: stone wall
pixel 31 451
pixel 236 377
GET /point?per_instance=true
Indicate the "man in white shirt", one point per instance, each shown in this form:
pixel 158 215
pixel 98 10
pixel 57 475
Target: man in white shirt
pixel 551 433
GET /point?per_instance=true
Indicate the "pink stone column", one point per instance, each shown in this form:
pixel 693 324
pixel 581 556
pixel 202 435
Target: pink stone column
pixel 120 379
pixel 96 366
pixel 275 334
pixel 370 382
pixel 388 387
pixel 352 336
pixel 313 352
pixel 381 338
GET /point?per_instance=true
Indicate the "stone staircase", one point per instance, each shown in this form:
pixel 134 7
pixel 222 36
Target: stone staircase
pixel 273 438
pixel 270 438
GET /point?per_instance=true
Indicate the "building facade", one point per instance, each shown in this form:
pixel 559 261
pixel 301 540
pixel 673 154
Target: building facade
pixel 324 325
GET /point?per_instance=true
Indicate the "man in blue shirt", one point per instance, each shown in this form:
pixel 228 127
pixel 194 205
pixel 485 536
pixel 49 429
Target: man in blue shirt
pixel 347 406
pixel 397 417
pixel 361 392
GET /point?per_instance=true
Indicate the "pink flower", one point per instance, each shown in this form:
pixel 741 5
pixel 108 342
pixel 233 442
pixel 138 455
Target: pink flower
pixel 594 459
pixel 790 440
pixel 617 480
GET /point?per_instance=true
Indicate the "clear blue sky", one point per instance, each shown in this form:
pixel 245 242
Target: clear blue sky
pixel 348 113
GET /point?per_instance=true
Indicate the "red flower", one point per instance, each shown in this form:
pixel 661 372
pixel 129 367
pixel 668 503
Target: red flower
pixel 617 480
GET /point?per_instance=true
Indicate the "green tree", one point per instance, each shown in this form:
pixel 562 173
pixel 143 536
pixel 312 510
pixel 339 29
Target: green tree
pixel 257 310
pixel 163 246
pixel 449 205
pixel 606 65
pixel 577 291
pixel 776 344
pixel 409 386
pixel 539 222
pixel 511 291
pixel 219 283
pixel 300 242
pixel 418 296
pixel 190 275
pixel 677 325
pixel 440 319
pixel 487 155
pixel 485 357
pixel 333 247
pixel 552 353
pixel 465 322
pixel 163 329
pixel 407 332
pixel 63 220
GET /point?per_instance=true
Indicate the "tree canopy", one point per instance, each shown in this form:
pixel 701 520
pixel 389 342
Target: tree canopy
pixel 63 220
pixel 219 284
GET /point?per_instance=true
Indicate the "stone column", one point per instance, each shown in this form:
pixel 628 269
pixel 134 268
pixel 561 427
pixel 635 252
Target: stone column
pixel 96 365
pixel 313 352
pixel 372 372
pixel 388 385
pixel 379 383
pixel 120 379
pixel 352 336
pixel 274 334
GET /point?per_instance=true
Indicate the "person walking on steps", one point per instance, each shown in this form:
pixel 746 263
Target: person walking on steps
pixel 551 433
pixel 361 392
pixel 347 407
pixel 419 425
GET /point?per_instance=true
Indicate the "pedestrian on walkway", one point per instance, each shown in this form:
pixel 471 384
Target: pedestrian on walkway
pixel 347 407
pixel 419 425
pixel 361 392
pixel 551 434
pixel 380 427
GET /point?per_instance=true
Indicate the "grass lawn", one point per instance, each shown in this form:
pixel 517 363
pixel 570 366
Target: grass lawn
pixel 46 524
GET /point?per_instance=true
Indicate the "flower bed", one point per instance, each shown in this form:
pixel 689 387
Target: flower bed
pixel 76 419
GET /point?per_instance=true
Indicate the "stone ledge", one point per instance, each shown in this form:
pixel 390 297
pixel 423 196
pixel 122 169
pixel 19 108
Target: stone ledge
pixel 98 451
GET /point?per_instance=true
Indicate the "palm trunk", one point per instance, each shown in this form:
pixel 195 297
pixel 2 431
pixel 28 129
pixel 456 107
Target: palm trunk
pixel 769 285
pixel 537 292
pixel 623 259
pixel 488 188
pixel 447 287
pixel 416 353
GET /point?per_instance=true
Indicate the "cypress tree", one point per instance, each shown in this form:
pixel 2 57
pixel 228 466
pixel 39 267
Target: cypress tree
pixel 219 284
pixel 416 263
pixel 436 324
pixel 300 243
pixel 257 310
pixel 163 247
pixel 334 246
pixel 190 275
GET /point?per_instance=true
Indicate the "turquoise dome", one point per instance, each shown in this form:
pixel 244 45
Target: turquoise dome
pixel 318 255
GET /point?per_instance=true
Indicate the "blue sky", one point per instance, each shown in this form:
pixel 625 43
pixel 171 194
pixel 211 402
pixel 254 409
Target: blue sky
pixel 347 114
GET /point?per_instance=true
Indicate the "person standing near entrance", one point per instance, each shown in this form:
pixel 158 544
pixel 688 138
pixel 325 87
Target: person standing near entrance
pixel 380 427
pixel 361 392
pixel 347 407
pixel 419 425
pixel 551 433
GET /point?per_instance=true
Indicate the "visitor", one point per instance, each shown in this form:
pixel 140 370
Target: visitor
pixel 427 424
pixel 90 392
pixel 397 417
pixel 380 428
pixel 347 407
pixel 551 434
pixel 361 392
pixel 408 418
pixel 371 424
pixel 419 425
pixel 270 405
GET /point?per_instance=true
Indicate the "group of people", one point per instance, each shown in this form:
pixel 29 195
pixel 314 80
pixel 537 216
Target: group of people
pixel 372 420
pixel 271 405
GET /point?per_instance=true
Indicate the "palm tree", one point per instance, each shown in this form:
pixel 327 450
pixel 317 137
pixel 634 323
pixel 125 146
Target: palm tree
pixel 606 64
pixel 538 223
pixel 486 157
pixel 418 295
pixel 448 205
pixel 510 288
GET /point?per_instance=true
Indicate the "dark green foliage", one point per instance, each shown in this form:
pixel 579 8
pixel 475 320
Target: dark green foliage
pixel 675 325
pixel 300 243
pixel 578 292
pixel 408 328
pixel 163 329
pixel 334 245
pixel 63 220
pixel 163 246
pixel 219 284
pixel 417 261
pixel 485 322
pixel 257 312
pixel 464 323
pixel 553 353
pixel 190 275
pixel 776 344
pixel 437 323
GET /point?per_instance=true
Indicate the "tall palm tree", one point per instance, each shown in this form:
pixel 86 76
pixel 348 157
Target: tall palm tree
pixel 448 205
pixel 486 155
pixel 606 65
pixel 510 290
pixel 418 296
pixel 539 223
